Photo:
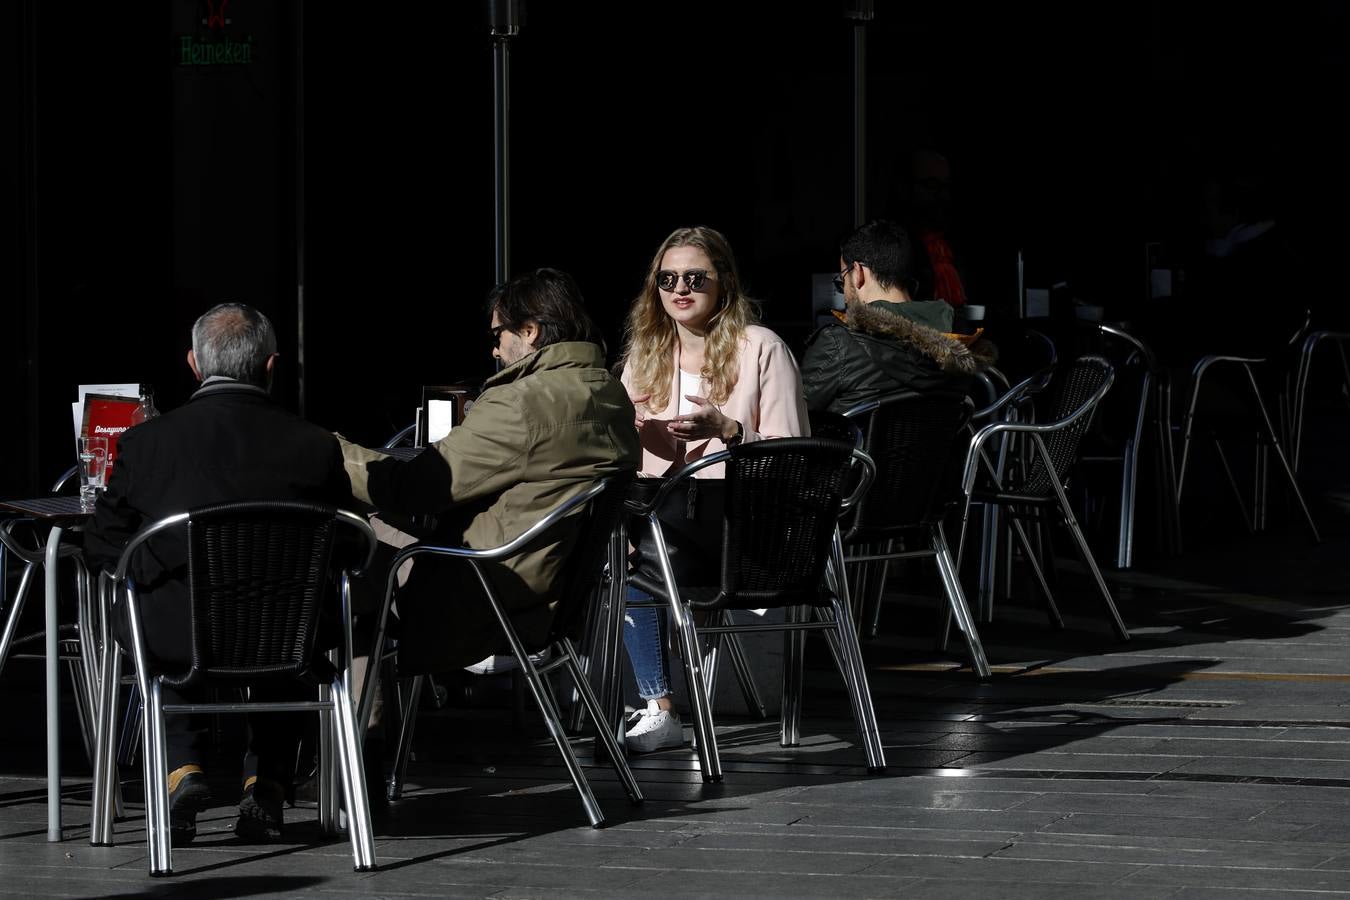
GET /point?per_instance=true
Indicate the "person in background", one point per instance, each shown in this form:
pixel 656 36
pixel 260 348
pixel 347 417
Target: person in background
pixel 886 341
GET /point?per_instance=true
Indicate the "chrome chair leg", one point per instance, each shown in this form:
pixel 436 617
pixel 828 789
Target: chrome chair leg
pixel 130 738
pixel 1081 542
pixel 790 722
pixel 103 809
pixel 327 789
pixel 405 737
pixel 745 676
pixel 353 775
pixel 603 734
pixel 156 787
pixel 855 670
pixel 16 612
pixel 957 607
pixel 1051 608
pixel 1233 485
pixel 867 721
pixel 1279 454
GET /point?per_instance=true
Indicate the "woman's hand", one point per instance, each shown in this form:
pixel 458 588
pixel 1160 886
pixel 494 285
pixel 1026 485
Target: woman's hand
pixel 706 421
pixel 639 409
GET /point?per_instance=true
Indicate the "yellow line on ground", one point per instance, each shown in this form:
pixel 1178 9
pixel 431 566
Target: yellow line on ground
pixel 1022 671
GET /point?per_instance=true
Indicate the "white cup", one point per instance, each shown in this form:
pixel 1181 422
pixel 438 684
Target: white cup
pixel 974 313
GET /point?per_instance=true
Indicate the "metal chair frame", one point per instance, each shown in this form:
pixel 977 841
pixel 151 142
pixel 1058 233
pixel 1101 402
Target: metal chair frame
pixel 335 706
pixel 564 657
pixel 1155 404
pixel 938 550
pixel 1036 434
pixel 836 621
pixel 1299 394
pixel 79 650
pixel 1256 519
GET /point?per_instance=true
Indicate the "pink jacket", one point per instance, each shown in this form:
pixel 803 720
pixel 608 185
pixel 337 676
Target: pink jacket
pixel 767 400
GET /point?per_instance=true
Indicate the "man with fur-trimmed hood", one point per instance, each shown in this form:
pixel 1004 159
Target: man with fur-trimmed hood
pixel 886 341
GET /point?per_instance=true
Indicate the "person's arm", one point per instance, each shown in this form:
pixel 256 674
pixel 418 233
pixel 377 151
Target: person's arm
pixel 822 368
pixel 413 487
pixel 481 456
pixel 782 411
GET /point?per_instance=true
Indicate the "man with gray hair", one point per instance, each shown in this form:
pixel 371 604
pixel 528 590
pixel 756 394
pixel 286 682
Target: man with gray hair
pixel 230 442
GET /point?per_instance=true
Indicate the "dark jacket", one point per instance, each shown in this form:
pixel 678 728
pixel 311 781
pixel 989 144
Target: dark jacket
pixel 229 442
pixel 882 348
pixel 542 431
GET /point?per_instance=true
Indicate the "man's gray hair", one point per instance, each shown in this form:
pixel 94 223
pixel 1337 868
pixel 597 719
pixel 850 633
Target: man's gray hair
pixel 234 340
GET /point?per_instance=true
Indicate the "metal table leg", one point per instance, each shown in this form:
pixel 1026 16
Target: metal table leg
pixel 53 692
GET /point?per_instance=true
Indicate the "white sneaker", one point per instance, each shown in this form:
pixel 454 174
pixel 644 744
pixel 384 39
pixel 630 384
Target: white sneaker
pixel 654 729
pixel 496 665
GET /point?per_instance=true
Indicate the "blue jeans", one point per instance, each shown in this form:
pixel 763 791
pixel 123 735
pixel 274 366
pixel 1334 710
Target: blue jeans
pixel 644 637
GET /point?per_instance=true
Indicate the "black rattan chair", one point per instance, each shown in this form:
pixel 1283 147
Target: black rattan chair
pixel 918 444
pixel 258 584
pixel 601 505
pixel 780 536
pixel 1032 486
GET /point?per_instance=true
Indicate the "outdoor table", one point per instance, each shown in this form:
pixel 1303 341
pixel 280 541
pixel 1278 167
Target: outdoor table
pixel 62 513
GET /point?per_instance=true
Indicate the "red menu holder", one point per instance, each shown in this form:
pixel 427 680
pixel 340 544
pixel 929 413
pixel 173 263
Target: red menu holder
pixel 109 416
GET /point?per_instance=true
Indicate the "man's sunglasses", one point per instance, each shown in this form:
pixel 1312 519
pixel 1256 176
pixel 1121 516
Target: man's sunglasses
pixel 694 279
pixel 839 279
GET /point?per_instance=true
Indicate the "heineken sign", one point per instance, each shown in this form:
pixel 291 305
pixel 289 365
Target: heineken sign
pixel 193 51
pixel 216 48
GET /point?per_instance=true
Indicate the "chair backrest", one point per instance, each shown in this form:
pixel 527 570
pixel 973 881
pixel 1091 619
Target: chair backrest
pixel 918 444
pixel 1074 394
pixel 783 500
pixel 833 426
pixel 258 579
pixel 586 563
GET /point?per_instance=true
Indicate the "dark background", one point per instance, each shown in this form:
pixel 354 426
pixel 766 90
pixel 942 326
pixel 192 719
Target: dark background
pixel 142 192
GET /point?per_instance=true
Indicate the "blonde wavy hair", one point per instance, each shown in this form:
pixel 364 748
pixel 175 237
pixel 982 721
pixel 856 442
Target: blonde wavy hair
pixel 650 336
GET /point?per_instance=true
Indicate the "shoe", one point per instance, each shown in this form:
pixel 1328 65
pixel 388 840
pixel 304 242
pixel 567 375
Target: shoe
pixel 655 729
pixel 191 796
pixel 260 816
pixel 499 663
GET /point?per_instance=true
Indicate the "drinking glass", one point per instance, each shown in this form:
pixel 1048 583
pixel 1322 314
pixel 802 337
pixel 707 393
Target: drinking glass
pixel 93 469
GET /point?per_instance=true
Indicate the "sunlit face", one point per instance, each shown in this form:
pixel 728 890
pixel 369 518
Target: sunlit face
pixel 687 306
pixel 511 347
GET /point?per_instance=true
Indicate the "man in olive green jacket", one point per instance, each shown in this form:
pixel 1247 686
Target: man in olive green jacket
pixel 545 428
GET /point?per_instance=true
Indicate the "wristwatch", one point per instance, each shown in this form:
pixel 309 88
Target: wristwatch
pixel 735 439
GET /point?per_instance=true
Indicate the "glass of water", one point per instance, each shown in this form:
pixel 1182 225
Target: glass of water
pixel 93 469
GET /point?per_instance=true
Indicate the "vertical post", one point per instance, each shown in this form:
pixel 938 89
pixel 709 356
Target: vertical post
pixel 861 12
pixel 505 25
pixel 29 242
pixel 53 689
pixel 300 204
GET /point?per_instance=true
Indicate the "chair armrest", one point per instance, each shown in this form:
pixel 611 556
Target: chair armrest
pixel 510 548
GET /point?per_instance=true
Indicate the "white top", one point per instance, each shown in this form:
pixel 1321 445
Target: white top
pixel 689 384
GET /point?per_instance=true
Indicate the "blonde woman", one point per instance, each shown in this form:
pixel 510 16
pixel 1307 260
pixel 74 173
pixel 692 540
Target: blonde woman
pixel 703 376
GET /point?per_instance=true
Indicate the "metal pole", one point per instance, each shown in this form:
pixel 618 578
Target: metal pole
pixel 300 204
pixel 29 242
pixel 505 25
pixel 53 689
pixel 861 12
